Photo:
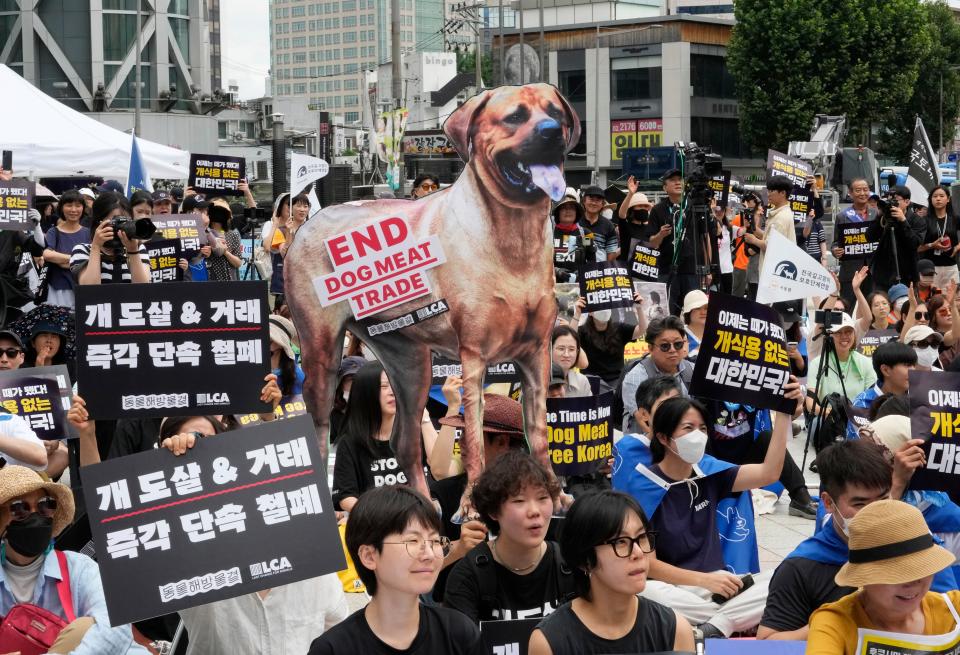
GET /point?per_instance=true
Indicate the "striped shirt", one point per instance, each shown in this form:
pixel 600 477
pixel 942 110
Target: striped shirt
pixel 603 233
pixel 110 271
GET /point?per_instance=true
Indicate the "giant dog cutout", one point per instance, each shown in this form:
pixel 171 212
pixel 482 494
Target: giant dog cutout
pixel 497 281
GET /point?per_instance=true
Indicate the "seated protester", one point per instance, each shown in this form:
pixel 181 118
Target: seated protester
pixel 606 541
pixel 849 371
pixel 109 257
pixel 694 318
pixel 668 347
pixel 19 444
pixel 689 566
pixel 926 342
pixel 740 434
pixel 893 559
pixel 283 358
pixel 48 344
pixel 281 620
pixel 393 538
pixel 853 474
pixel 32 513
pixel 518 574
pixel 943 316
pixel 892 362
pixel 650 394
pixel 558 382
pixel 603 341
pixel 566 352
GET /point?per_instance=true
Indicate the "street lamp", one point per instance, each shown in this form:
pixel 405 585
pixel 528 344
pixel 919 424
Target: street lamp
pixel 596 109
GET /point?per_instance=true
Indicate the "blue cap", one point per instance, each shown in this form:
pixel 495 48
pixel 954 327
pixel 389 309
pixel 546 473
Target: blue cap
pixel 897 291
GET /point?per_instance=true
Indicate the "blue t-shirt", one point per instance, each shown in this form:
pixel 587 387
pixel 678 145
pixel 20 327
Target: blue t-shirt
pixel 297 381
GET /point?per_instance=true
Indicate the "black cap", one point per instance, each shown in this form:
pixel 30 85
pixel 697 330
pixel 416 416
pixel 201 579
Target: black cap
pixel 177 192
pixel 673 172
pixel 594 190
pixel 349 366
pixel 162 196
pixel 13 336
pixel 926 267
pixel 556 375
pixel 110 185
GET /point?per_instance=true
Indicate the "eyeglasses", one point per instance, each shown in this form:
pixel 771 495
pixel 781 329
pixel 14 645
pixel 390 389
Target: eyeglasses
pixel 623 546
pixel 565 350
pixel 416 545
pixel 921 316
pixel 426 186
pixel 943 311
pixel 21 509
pixel 665 346
pixel 11 352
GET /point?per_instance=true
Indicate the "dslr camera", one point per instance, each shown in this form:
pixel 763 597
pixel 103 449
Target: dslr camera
pixel 141 229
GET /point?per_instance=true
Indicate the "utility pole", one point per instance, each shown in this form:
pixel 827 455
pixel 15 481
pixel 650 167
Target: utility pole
pixel 397 81
pixel 500 40
pixel 543 60
pixel 522 67
pixel 478 53
pixel 137 93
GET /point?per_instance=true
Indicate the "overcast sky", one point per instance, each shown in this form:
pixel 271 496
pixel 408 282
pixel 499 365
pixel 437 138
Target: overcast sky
pixel 245 39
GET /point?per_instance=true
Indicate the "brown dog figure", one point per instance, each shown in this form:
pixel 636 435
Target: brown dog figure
pixel 493 227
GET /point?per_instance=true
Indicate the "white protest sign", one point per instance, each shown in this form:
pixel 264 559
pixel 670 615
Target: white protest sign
pixel 304 170
pixel 789 273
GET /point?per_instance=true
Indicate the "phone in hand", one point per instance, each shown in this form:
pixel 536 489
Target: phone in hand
pixel 747 581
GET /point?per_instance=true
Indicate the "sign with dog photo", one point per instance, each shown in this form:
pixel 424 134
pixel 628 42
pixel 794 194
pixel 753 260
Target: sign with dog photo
pixel 239 512
pixel 605 285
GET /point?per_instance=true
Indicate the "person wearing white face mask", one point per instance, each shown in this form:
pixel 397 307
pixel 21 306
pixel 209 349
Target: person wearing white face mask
pixel 926 342
pixel 689 569
pixel 603 339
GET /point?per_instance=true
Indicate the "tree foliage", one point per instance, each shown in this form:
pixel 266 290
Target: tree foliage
pixel 792 59
pixel 466 64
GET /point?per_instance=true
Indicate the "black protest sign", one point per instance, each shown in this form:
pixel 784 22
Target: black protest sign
pixel 443 367
pixel 795 169
pixel 41 396
pixel 743 357
pixel 645 262
pixel 290 406
pixel 873 339
pixel 605 285
pixel 16 199
pixel 164 260
pixel 720 185
pixel 188 228
pixel 217 174
pixel 172 349
pixel 854 240
pixel 579 433
pixel 238 513
pixel 935 418
pixel 507 637
pixel 799 200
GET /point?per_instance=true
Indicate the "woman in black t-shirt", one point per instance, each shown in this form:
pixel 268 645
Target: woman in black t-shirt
pixel 605 541
pixel 942 240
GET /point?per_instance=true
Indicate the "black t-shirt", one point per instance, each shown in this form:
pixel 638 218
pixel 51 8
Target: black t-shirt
pixel 605 351
pixel 654 630
pixel 136 435
pixel 937 228
pixel 448 493
pixel 798 587
pixel 357 470
pixel 517 596
pixel 630 233
pixel 441 631
pixel 663 214
pixel 686 521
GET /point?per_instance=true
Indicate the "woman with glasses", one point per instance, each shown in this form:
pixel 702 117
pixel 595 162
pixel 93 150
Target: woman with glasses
pixel 518 574
pixel 943 317
pixel 689 571
pixel 566 352
pixel 424 185
pixel 393 538
pixel 926 343
pixel 607 543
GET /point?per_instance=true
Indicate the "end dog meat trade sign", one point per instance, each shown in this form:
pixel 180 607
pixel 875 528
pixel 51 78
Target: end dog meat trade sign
pixel 378 267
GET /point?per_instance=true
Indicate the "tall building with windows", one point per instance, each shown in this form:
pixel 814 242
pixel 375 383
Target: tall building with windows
pixel 319 50
pixel 83 52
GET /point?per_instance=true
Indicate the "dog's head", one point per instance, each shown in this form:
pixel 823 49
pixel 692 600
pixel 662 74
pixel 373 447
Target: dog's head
pixel 516 137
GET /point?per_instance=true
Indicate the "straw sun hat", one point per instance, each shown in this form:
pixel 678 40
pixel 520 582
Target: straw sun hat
pixel 17 481
pixel 890 543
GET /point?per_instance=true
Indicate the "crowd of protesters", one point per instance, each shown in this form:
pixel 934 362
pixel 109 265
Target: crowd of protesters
pixel 640 562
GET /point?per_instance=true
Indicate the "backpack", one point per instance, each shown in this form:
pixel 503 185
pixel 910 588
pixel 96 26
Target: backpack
pixel 480 558
pixel 31 630
pixel 832 426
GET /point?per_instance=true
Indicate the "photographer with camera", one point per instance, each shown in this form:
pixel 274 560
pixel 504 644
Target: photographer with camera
pixel 900 235
pixel 779 219
pixel 858 213
pixel 115 253
pixel 746 269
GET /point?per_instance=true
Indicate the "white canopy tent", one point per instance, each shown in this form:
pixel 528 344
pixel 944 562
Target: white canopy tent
pixel 48 139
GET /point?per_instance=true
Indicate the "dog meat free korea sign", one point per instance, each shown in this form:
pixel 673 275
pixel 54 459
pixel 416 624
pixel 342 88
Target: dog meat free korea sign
pixel 239 512
pixel 378 266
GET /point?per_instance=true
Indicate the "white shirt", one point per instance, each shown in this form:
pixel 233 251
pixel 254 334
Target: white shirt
pixel 723 245
pixel 16 427
pixel 283 623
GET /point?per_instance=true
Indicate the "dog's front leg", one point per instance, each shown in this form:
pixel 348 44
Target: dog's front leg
pixel 471 443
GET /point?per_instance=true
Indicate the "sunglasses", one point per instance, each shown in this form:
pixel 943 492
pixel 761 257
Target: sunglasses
pixel 665 346
pixel 943 311
pixel 21 510
pixel 921 316
pixel 926 343
pixel 426 186
pixel 10 352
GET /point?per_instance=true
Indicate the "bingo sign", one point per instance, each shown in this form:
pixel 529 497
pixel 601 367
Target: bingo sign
pixel 16 199
pixel 626 134
pixel 378 267
pixel 217 173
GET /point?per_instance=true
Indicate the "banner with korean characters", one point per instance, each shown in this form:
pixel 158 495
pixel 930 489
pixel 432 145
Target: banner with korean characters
pixel 238 513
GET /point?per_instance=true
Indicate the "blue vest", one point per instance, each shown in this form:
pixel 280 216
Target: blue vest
pixel 735 523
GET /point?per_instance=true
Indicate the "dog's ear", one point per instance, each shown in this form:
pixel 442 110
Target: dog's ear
pixel 573 121
pixel 459 125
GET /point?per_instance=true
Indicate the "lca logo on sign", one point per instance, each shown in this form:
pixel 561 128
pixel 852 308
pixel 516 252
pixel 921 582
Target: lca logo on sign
pixel 273 567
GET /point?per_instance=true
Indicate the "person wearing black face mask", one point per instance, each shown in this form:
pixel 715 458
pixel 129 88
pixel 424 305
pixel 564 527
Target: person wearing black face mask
pixel 32 513
pixel 632 218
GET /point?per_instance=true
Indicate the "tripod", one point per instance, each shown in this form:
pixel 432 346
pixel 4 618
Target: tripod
pixel 252 272
pixel 829 348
